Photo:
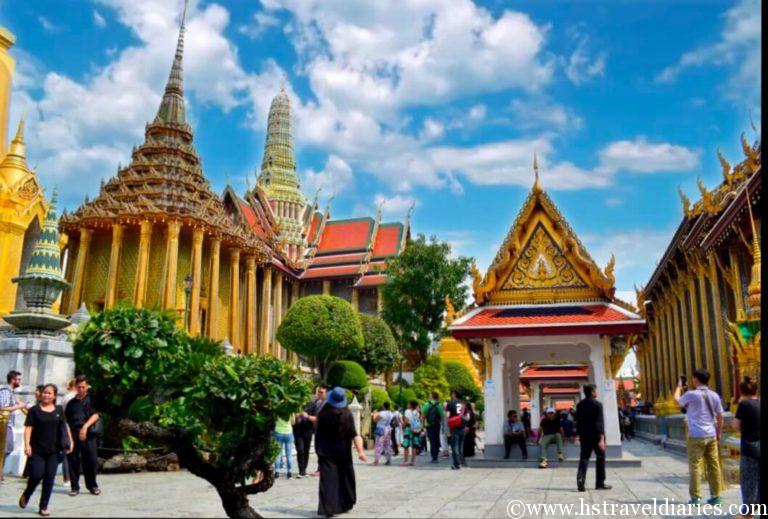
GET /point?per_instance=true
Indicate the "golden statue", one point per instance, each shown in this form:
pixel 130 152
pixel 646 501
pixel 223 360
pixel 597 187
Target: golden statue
pixel 686 202
pixel 608 271
pixel 450 311
pixel 727 177
pixel 477 284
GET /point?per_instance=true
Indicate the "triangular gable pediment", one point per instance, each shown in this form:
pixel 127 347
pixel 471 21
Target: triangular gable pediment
pixel 542 261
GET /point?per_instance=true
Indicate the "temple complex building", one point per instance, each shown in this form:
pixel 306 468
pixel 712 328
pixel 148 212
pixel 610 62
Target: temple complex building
pixel 702 302
pixel 22 204
pixel 544 321
pixel 228 265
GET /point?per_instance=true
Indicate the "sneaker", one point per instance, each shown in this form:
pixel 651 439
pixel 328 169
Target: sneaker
pixel 543 464
pixel 288 476
pixel 299 476
pixel 560 457
pixel 714 500
pixel 695 501
pixel 604 487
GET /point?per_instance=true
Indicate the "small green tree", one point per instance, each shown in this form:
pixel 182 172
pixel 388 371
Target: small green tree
pixel 414 296
pixel 321 329
pixel 378 397
pixel 401 399
pixel 379 352
pixel 347 374
pixel 460 380
pixel 429 377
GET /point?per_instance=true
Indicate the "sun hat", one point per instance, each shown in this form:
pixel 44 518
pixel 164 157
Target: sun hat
pixel 337 398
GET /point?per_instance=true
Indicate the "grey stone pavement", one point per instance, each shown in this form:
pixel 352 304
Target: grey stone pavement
pixel 425 490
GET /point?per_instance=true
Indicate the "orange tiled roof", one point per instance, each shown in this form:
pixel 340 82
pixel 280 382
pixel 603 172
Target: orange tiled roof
pixel 563 405
pixel 372 280
pixel 251 219
pixel 314 225
pixel 537 372
pixel 338 259
pixel 333 271
pixel 560 390
pixel 346 235
pixel 388 240
pixel 545 314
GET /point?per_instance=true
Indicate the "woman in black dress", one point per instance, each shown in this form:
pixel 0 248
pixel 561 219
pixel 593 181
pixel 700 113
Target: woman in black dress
pixel 333 443
pixel 44 444
pixel 470 419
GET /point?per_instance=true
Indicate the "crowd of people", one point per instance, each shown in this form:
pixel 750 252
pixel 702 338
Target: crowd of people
pixel 54 434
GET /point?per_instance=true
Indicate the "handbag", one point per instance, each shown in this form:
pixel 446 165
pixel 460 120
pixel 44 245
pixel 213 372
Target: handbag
pixel 64 439
pixel 455 422
pixel 750 449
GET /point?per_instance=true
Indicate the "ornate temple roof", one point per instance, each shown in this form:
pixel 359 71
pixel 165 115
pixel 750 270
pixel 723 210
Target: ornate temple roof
pixel 15 175
pixel 165 178
pixel 542 261
pixel 45 261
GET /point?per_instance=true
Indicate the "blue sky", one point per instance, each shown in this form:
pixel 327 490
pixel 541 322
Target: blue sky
pixel 441 103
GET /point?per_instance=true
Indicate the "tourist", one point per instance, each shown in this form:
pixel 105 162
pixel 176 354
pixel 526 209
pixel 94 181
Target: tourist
pixel 590 428
pixel 550 430
pixel 412 429
pixel 333 440
pixel 747 420
pixel 46 437
pixel 514 434
pixel 396 431
pixel 82 418
pixel 456 429
pixel 304 428
pixel 383 421
pixel 284 437
pixel 705 426
pixel 567 425
pixel 71 393
pixel 470 432
pixel 526 419
pixel 10 404
pixel 432 417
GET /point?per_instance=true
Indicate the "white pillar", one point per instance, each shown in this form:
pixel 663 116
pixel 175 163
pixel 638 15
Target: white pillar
pixel 606 394
pixel 494 401
pixel 535 405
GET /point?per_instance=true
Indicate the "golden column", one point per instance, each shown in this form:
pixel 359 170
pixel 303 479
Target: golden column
pixel 234 297
pixel 355 299
pixel 82 255
pixel 7 65
pixel 171 263
pixel 326 287
pixel 705 320
pixel 679 348
pixel 722 347
pixel 266 304
pixel 145 240
pixel 685 322
pixel 379 301
pixel 114 265
pixel 738 292
pixel 250 304
pixel 693 304
pixel 659 359
pixel 197 279
pixel 213 290
pixel 671 344
pixel 278 312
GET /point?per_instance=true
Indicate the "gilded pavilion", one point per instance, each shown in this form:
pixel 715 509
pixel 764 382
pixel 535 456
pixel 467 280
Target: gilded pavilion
pixel 23 206
pixel 702 302
pixel 230 266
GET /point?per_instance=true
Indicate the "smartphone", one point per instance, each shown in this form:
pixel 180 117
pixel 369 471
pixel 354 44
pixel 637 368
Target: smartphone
pixel 683 380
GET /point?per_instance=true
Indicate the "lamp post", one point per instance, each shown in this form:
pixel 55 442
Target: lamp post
pixel 187 292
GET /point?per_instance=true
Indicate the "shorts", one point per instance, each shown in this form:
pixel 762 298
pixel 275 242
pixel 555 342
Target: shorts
pixel 411 439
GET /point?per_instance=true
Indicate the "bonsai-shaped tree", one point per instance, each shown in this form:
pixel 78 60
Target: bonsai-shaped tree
pixel 321 329
pixel 460 379
pixel 430 376
pixel 216 412
pixel 379 352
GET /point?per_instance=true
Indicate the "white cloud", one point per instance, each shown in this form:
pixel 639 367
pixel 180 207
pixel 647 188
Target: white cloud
pixel 260 24
pixel 737 49
pixel 432 129
pixel 477 112
pixel 540 113
pixel 335 176
pixel 396 206
pixel 47 24
pixel 580 68
pixel 98 20
pixel 641 156
pixel 613 201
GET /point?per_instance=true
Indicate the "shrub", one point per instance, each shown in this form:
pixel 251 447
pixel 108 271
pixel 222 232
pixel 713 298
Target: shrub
pixel 402 402
pixel 460 379
pixel 321 329
pixel 429 377
pixel 379 352
pixel 347 374
pixel 378 397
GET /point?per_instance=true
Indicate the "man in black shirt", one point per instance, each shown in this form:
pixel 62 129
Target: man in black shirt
pixel 591 432
pixel 81 418
pixel 304 428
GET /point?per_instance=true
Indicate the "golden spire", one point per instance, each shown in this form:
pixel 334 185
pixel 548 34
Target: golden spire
pixel 753 290
pixel 18 147
pixel 172 106
pixel 536 182
pixel 14 166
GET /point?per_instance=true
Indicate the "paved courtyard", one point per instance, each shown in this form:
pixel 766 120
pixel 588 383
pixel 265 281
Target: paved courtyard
pixel 383 491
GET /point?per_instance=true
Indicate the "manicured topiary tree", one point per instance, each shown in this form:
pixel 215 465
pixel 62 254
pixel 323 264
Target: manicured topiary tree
pixel 460 379
pixel 378 397
pixel 408 394
pixel 379 352
pixel 347 374
pixel 321 329
pixel 429 377
pixel 216 412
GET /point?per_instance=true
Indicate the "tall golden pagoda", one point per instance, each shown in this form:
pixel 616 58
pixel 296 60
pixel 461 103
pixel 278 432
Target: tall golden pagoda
pixel 156 233
pixel 22 205
pixel 279 181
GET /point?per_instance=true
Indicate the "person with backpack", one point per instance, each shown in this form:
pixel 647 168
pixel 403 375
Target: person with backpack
pixel 705 428
pixel 456 425
pixel 383 447
pixel 411 432
pixel 432 416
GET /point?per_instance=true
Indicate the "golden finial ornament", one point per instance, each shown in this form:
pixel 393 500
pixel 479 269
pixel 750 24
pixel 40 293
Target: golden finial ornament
pixel 752 162
pixel 477 283
pixel 450 311
pixel 686 202
pixel 536 182
pixel 727 177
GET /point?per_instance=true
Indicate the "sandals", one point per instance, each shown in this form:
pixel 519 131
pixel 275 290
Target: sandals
pixel 44 512
pixel 73 493
pixel 95 491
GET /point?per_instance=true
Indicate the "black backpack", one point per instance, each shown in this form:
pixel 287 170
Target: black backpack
pixel 433 414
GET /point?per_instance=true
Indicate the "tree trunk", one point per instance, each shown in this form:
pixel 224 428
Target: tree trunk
pixel 235 502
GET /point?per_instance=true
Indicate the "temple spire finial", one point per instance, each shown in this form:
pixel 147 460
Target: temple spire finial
pixel 172 106
pixel 536 181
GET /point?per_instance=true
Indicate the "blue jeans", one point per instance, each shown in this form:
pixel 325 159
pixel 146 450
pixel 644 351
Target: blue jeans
pixel 457 447
pixel 285 441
